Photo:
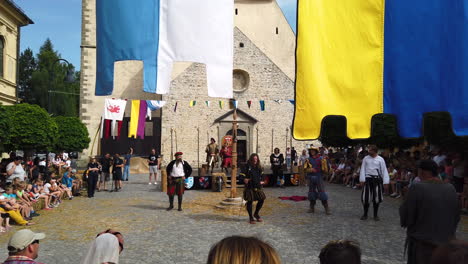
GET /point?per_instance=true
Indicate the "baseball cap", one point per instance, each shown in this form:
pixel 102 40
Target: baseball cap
pixel 22 239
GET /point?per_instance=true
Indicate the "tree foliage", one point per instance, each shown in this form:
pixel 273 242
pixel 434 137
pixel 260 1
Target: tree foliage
pixel 44 76
pixel 30 128
pixel 72 134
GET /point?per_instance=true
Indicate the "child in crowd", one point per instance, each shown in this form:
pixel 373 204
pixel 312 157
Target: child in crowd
pixel 40 189
pixel 23 198
pixel 57 193
pixel 67 182
pixel 51 193
pixel 5 217
pixel 23 209
pixel 77 183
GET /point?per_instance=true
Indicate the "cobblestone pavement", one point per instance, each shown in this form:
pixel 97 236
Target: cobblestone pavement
pixel 153 235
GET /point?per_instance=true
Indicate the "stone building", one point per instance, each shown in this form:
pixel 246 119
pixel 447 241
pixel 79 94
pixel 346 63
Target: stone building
pixel 264 65
pixel 12 18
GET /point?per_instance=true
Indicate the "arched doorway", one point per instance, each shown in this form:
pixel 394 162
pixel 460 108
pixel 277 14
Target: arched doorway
pixel 241 145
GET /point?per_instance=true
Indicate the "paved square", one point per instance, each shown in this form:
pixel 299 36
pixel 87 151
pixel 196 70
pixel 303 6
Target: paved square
pixel 153 235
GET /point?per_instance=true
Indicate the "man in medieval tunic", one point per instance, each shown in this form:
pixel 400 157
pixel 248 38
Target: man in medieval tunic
pixel 373 176
pixel 226 155
pixel 212 154
pixel 177 171
pixel 313 169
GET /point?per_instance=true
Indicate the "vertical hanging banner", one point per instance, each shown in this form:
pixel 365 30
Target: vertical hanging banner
pixel 221 104
pixel 341 46
pixel 161 32
pixel 114 110
pixel 262 105
pixel 138 119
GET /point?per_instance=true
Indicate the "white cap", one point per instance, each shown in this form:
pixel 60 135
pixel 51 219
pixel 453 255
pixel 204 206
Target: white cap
pixel 22 239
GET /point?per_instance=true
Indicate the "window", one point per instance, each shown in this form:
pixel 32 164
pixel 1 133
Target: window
pixel 241 45
pixel 277 31
pixel 2 52
pixel 236 12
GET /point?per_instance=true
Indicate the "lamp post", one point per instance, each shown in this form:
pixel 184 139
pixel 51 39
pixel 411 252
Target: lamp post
pixel 69 78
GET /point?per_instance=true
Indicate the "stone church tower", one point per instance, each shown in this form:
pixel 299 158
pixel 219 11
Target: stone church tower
pixel 264 65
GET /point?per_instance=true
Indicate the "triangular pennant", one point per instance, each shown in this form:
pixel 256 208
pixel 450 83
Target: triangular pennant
pixel 221 104
pixel 235 104
pixel 207 103
pixel 193 103
pixel 249 104
pixel 292 102
pixel 262 105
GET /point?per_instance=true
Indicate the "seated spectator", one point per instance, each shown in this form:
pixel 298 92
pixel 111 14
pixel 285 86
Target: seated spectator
pixel 392 173
pixel 51 193
pixel 23 247
pixel 348 173
pixel 69 182
pixel 395 176
pixel 57 193
pixel 44 193
pixel 5 217
pixel 338 173
pixel 242 250
pixel 77 183
pixel 23 198
pixel 105 249
pixel 340 252
pixel 10 194
pixel 455 252
pixel 9 206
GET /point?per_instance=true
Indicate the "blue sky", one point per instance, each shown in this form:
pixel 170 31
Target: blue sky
pixel 60 20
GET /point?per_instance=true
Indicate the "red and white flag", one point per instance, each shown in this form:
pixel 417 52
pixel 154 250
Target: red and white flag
pixel 114 109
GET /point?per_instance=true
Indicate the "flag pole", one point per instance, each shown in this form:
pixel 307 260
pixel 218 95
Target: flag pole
pixel 234 156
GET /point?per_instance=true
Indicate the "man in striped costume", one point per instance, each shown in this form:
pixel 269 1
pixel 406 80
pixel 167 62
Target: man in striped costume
pixel 373 176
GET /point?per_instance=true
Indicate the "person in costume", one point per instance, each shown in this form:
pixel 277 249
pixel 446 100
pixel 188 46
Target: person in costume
pixel 253 179
pixel 177 171
pixel 212 154
pixel 313 170
pixel 373 176
pixel 277 161
pixel 226 155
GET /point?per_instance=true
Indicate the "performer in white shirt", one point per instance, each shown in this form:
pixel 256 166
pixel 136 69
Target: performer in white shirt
pixel 177 170
pixel 373 176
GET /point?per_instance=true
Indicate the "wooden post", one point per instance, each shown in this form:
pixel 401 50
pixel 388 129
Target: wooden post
pixel 234 156
pixel 172 143
pixel 198 151
pixel 163 180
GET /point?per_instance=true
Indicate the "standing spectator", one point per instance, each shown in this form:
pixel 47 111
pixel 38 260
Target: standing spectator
pixel 430 214
pixel 106 163
pixel 106 248
pixel 439 158
pixel 459 165
pixel 126 172
pixel 373 176
pixel 302 160
pixel 294 156
pixel 93 174
pixel 340 252
pixel 240 250
pixel 277 161
pixel 14 169
pixel 23 247
pixel 117 172
pixel 288 158
pixel 153 162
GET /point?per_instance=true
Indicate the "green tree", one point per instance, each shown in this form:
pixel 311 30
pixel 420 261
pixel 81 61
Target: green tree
pixel 4 128
pixel 30 128
pixel 48 81
pixel 72 134
pixel 27 66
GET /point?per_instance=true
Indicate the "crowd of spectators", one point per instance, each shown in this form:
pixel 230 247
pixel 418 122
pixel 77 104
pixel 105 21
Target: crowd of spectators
pixel 343 166
pixel 23 183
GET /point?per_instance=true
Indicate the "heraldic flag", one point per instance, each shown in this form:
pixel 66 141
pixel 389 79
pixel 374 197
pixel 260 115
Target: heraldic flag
pixel 161 32
pixel 358 58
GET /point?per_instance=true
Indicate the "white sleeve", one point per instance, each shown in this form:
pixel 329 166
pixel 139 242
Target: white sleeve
pixel 383 166
pixel 362 173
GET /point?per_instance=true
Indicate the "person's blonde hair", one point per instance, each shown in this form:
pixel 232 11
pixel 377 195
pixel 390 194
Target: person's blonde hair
pixel 242 250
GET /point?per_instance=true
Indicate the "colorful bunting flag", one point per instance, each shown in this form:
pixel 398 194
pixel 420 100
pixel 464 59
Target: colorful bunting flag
pixel 207 103
pixel 221 104
pixel 249 104
pixel 138 119
pixel 292 102
pixel 262 105
pixel 193 103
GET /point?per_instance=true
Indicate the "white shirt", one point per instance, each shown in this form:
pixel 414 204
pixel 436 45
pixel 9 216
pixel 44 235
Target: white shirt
pixel 42 163
pixel 46 188
pixel 178 170
pixel 373 167
pixel 18 172
pixel 68 162
pixel 439 159
pixel 341 166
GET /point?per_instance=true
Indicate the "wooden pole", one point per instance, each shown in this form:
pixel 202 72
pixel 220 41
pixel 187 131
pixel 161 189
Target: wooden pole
pixel 172 143
pixel 234 156
pixel 198 151
pixel 272 137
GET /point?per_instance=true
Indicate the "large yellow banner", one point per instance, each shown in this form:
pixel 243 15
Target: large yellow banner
pixel 339 64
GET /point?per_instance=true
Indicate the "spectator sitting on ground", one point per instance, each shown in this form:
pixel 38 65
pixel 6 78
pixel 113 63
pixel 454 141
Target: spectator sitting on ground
pixel 23 247
pixel 242 250
pixel 52 193
pixel 13 200
pixel 455 252
pixel 23 198
pixel 348 173
pixel 340 252
pixel 10 206
pixel 58 192
pixel 44 193
pixel 15 169
pixel 105 249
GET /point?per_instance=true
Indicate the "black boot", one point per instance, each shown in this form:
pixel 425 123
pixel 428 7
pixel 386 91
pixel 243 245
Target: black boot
pixel 171 203
pixel 312 207
pixel 366 209
pixel 376 212
pixel 327 209
pixel 179 199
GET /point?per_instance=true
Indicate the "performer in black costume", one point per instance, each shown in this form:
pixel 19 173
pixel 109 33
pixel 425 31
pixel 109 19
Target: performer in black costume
pixel 253 179
pixel 177 170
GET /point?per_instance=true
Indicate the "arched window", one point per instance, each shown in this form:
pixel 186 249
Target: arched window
pixel 240 133
pixel 2 53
